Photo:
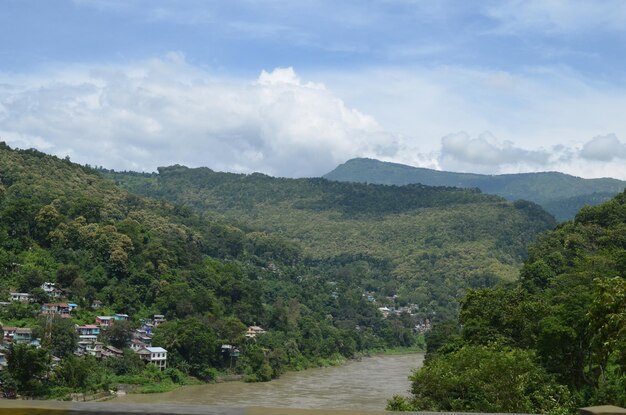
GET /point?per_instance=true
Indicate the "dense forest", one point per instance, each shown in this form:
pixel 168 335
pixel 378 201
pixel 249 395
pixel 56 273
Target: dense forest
pixel 63 223
pixel 550 342
pixel 560 194
pixel 311 261
pixel 424 245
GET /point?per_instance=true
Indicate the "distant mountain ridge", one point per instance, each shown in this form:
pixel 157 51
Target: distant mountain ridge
pixel 560 194
pixel 425 244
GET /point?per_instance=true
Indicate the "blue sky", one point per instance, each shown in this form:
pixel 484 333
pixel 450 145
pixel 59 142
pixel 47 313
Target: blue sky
pixel 293 88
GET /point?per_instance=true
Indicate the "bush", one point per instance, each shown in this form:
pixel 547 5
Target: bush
pixel 485 379
pixel 209 374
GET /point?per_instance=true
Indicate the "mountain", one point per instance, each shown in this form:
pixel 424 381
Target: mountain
pixel 64 223
pixel 423 244
pixel 560 194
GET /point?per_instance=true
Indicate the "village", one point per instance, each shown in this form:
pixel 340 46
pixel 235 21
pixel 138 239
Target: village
pixel 89 335
pixel 421 326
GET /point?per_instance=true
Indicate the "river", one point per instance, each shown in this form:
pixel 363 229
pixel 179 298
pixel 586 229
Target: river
pixel 357 385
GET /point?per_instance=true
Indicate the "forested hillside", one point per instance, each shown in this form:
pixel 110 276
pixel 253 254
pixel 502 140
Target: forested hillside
pixel 65 224
pixel 560 194
pixel 551 342
pixel 424 245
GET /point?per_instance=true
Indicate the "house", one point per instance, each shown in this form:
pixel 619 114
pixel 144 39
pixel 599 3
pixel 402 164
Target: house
pixel 9 332
pixel 51 289
pixel 139 333
pixel 228 350
pixel 158 319
pixel 154 355
pixel 110 351
pixel 92 348
pixel 141 338
pixel 95 304
pixel 144 338
pixel 385 310
pixel 60 309
pixel 23 335
pixel 104 321
pixel 21 297
pixel 95 349
pixel 3 361
pixel 88 332
pixel 148 328
pixel 121 317
pixel 253 331
pixel 48 287
pixel 138 344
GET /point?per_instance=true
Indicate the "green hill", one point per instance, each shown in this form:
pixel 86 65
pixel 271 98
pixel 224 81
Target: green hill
pixel 560 194
pixel 64 223
pixel 424 244
pixel 562 323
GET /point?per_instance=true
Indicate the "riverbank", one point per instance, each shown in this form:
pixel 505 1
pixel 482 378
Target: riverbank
pixel 148 386
pixel 396 351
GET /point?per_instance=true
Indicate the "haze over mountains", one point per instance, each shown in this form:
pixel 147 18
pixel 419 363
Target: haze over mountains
pixel 560 194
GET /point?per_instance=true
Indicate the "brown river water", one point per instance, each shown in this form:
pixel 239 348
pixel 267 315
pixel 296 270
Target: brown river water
pixel 357 385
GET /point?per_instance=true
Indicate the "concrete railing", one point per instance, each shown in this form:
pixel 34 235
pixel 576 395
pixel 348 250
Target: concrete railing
pixel 15 407
pixel 603 410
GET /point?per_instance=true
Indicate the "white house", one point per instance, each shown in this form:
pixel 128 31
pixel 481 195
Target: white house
pixel 253 331
pixel 21 297
pixel 154 355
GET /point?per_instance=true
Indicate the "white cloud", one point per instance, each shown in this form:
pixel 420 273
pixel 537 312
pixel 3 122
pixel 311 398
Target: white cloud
pixel 165 111
pixel 487 151
pixel 603 148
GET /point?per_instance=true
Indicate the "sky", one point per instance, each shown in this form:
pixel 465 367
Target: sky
pixel 294 88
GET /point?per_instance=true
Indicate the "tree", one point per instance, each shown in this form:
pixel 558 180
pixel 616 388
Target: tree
pixel 30 279
pixel 485 379
pixel 28 367
pixel 59 335
pixel 442 333
pixel 119 334
pixel 74 372
pixel 130 363
pixel 66 274
pixel 190 340
pixel 608 322
pixel 230 330
pixel 39 296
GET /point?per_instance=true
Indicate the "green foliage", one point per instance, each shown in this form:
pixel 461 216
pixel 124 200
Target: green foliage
pixel 76 373
pixel 443 333
pixel 192 341
pixel 59 335
pixel 484 379
pixel 425 244
pixel 297 263
pixel 567 313
pixel 63 223
pixel 28 367
pixel 118 334
pixel 560 194
pixel 129 364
